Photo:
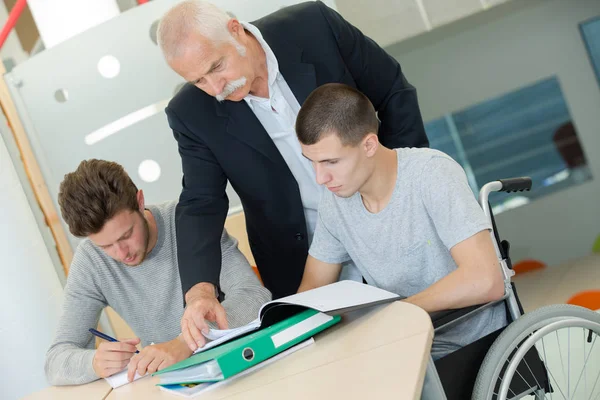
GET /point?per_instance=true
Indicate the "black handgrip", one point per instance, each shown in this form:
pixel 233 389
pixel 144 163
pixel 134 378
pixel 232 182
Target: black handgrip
pixel 515 184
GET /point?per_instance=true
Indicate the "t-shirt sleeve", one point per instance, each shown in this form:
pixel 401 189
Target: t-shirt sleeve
pixel 325 246
pixel 449 201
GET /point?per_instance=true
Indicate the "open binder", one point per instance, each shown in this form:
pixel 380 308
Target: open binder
pixel 280 325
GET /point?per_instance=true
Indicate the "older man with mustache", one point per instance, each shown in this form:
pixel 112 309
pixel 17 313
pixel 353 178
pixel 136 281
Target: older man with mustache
pixel 235 121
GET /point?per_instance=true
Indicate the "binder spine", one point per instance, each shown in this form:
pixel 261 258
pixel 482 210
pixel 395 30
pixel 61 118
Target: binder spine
pixel 261 349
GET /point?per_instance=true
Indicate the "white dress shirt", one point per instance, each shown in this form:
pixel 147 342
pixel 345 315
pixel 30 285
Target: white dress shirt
pixel 277 114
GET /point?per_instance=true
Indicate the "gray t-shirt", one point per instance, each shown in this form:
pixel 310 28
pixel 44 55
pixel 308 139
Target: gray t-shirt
pixel 405 247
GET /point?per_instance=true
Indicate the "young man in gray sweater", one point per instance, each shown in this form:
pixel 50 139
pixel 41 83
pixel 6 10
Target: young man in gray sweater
pixel 128 261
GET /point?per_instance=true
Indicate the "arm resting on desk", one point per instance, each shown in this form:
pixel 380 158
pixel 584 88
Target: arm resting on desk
pixel 477 280
pixel 463 228
pixel 318 273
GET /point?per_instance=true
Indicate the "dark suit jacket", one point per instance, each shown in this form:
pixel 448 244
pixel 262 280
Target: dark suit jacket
pixel 224 141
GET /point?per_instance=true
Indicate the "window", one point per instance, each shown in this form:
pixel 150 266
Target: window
pixel 527 132
pixel 590 31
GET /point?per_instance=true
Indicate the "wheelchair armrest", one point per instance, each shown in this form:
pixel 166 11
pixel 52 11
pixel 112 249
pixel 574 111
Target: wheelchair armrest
pixel 446 318
pixel 441 318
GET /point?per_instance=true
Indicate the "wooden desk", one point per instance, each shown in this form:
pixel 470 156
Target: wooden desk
pixel 555 285
pixel 95 390
pixel 372 354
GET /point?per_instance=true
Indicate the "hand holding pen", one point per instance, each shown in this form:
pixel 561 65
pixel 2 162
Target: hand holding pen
pixel 112 356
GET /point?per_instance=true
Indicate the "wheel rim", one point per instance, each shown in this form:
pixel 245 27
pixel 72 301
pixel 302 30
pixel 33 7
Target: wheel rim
pixel 540 332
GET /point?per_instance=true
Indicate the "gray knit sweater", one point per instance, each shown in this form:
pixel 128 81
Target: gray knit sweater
pixel 148 297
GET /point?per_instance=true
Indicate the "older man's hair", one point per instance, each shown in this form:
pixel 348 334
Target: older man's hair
pixel 192 16
pixel 338 109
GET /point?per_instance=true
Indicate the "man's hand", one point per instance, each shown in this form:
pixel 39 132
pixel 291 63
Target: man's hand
pixel 202 306
pixel 158 356
pixel 112 357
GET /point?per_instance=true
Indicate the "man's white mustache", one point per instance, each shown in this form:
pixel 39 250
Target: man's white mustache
pixel 230 88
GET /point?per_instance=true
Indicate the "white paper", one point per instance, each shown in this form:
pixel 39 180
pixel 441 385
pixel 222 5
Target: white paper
pixel 120 379
pixel 337 296
pixel 216 336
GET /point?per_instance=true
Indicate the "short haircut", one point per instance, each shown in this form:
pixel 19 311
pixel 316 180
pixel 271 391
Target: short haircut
pixel 339 109
pixel 93 194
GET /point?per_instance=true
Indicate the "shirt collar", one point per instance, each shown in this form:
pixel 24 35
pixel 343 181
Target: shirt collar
pixel 272 65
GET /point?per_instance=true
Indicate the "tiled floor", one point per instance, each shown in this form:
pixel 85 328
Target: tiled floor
pixel 555 285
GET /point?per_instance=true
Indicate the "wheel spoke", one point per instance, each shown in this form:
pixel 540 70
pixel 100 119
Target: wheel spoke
pixel 585 362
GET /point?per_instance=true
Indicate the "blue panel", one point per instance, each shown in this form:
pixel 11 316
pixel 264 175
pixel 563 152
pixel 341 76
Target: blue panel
pixel 520 133
pixel 440 139
pixel 590 31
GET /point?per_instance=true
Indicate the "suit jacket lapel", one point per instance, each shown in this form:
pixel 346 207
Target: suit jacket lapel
pixel 243 124
pixel 301 78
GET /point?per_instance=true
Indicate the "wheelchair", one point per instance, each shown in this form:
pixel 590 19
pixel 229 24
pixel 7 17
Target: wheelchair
pixel 547 353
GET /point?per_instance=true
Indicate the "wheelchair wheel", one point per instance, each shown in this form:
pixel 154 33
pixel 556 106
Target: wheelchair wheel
pixel 548 353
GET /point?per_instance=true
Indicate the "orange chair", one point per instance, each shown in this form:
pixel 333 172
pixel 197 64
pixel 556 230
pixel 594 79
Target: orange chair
pixel 588 299
pixel 527 266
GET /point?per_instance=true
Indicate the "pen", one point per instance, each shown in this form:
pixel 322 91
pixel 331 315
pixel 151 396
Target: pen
pixel 104 336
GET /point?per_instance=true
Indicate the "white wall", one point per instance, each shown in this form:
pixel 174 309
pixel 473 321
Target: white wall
pixel 59 20
pixel 30 291
pixel 503 50
pixel 251 10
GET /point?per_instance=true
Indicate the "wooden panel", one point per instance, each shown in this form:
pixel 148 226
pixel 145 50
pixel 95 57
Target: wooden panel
pixel 26 28
pixel 119 326
pixel 236 226
pixel 35 176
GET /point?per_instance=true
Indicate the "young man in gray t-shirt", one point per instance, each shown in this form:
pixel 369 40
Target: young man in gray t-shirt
pixel 406 217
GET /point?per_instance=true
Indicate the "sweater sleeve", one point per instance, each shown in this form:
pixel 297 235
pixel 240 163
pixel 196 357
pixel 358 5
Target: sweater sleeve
pixel 69 358
pixel 244 294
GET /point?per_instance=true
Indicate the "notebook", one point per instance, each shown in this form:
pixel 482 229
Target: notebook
pixel 120 378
